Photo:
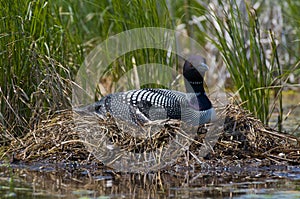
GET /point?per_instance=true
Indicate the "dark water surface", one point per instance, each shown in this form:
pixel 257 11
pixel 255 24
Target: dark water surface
pixel 73 181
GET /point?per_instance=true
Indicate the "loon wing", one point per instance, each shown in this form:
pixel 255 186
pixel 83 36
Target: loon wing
pixel 158 104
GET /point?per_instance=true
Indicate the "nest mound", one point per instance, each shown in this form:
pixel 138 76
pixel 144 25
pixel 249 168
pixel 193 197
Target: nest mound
pixel 70 137
pixel 244 136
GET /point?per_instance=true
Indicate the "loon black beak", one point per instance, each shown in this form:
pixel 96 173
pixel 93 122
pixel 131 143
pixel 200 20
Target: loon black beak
pixel 202 67
pixel 198 62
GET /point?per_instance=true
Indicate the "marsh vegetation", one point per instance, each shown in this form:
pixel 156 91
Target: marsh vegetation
pixel 252 48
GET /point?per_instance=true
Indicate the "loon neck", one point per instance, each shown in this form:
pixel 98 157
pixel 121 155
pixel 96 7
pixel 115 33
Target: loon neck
pixel 200 94
pixel 200 102
pixel 195 87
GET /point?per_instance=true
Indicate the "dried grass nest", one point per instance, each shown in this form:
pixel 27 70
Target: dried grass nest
pixel 242 137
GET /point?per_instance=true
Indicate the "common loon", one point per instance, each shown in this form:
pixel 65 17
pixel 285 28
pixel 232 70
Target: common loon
pixel 149 104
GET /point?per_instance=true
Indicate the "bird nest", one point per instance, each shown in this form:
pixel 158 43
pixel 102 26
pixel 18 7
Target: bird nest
pixel 68 136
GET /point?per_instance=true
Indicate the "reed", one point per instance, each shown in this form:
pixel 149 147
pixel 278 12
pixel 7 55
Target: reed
pixel 38 55
pixel 43 43
pixel 250 54
pixel 260 54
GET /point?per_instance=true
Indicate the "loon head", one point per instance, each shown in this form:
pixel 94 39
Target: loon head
pixel 193 71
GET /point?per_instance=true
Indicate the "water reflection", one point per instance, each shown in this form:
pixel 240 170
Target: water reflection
pixel 57 181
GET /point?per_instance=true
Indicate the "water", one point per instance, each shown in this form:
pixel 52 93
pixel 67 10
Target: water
pixel 64 181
